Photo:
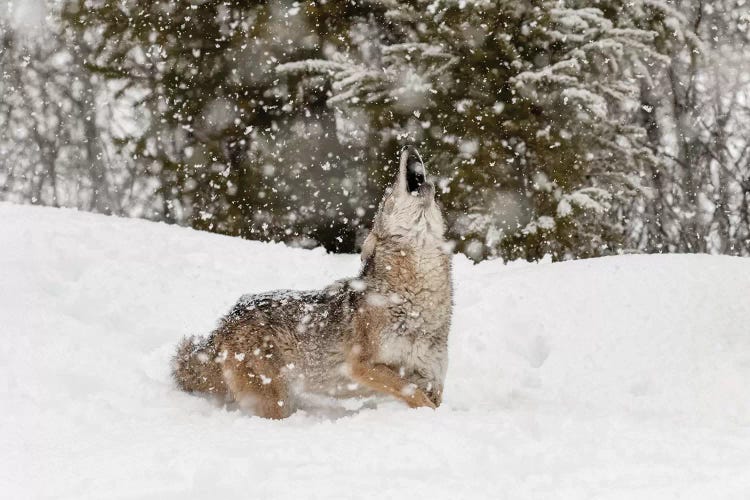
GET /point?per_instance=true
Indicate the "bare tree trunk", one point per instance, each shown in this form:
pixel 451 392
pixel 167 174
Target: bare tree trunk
pixel 102 199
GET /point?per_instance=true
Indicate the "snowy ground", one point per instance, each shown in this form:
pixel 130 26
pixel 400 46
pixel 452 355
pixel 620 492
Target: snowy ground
pixel 618 378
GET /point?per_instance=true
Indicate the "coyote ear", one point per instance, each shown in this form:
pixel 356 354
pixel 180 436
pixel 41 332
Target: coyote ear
pixel 368 247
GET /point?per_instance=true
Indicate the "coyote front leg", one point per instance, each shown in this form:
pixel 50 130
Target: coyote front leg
pixel 378 376
pixel 382 378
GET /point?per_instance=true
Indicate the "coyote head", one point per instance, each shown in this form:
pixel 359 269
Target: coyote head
pixel 408 214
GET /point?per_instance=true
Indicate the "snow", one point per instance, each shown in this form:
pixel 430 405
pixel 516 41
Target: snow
pixel 25 14
pixel 615 378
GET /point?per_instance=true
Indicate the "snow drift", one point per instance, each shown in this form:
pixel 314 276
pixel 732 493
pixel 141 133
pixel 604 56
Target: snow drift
pixel 623 377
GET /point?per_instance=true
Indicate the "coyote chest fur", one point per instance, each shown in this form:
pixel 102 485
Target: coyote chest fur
pixel 385 331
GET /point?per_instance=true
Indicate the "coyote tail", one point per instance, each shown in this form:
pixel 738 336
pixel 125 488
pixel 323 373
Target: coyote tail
pixel 195 367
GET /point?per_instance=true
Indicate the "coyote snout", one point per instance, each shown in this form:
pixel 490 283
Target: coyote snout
pixel 385 331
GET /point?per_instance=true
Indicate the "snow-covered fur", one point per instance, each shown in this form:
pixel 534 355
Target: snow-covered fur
pixel 385 331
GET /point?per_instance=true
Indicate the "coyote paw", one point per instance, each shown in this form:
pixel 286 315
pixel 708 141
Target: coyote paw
pixel 419 402
pixel 416 398
pixel 436 396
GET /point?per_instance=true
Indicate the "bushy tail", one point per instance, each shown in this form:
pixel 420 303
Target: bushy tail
pixel 194 367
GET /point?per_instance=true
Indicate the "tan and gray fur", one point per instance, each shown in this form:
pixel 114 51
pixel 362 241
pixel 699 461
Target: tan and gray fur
pixel 385 331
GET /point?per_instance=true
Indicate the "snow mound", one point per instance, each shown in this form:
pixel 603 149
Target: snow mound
pixel 624 377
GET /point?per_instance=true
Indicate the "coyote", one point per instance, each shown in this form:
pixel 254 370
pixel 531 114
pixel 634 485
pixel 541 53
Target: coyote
pixel 385 331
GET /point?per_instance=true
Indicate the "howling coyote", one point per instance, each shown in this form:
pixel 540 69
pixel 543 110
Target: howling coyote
pixel 385 331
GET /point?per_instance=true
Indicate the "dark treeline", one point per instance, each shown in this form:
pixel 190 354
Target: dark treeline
pixel 563 128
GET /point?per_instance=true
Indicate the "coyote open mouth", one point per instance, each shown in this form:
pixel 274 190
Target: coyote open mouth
pixel 415 174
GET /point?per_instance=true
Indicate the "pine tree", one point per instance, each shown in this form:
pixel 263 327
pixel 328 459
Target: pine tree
pixel 528 111
pixel 224 146
pixel 563 128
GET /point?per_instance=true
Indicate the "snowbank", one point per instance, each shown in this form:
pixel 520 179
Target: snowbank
pixel 623 377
